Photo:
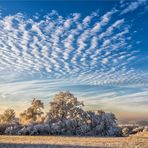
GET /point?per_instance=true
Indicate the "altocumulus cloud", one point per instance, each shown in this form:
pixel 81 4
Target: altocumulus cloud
pixel 69 47
pixel 44 54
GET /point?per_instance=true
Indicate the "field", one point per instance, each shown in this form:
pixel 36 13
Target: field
pixel 136 141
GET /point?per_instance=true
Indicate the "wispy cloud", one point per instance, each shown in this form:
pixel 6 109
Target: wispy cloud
pixel 133 6
pixel 120 99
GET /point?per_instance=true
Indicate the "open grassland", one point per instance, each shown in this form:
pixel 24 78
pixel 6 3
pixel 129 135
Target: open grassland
pixel 137 141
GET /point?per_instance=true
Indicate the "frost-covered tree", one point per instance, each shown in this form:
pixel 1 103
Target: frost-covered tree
pixel 64 106
pixel 7 117
pixel 66 116
pixel 33 114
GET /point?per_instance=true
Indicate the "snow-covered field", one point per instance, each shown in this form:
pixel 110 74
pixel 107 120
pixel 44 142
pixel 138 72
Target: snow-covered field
pixel 137 141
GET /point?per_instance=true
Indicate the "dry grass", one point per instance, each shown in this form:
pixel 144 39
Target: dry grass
pixel 136 141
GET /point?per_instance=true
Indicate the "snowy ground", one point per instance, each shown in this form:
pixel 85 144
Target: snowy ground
pixel 137 141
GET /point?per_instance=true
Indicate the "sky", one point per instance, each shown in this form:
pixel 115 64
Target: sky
pixel 97 50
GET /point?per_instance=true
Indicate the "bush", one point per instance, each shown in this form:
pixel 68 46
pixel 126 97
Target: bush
pixel 125 131
pixel 13 129
pixel 136 130
pixel 145 129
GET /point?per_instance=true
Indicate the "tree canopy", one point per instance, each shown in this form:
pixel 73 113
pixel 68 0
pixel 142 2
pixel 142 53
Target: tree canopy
pixel 33 114
pixel 64 106
pixel 7 117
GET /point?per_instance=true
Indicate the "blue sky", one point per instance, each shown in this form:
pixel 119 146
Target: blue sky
pixel 96 49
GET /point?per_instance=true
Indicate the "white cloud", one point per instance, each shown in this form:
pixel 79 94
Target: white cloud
pixel 96 27
pixel 71 47
pixel 133 6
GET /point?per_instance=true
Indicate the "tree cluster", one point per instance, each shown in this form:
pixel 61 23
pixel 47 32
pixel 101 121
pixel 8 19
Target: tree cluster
pixel 66 116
